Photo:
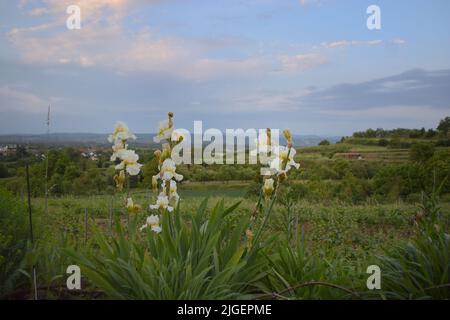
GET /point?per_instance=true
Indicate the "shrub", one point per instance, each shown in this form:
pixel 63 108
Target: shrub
pixel 439 167
pixel 206 260
pixel 4 172
pixel 396 181
pixel 383 142
pixel 443 143
pixel 352 189
pixel 421 152
pixel 418 270
pixel 297 273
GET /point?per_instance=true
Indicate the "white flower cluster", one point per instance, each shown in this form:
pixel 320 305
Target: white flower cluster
pixel 168 196
pixel 152 222
pixel 165 131
pixel 283 160
pixel 129 158
pixel 280 161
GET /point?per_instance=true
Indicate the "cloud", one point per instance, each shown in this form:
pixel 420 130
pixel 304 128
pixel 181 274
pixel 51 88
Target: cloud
pixel 354 43
pixel 310 2
pixel 413 89
pixel 417 113
pixel 91 9
pixel 105 42
pixel 36 12
pixel 16 99
pixel 414 96
pixel 399 42
pixel 269 101
pixel 301 62
pixel 347 43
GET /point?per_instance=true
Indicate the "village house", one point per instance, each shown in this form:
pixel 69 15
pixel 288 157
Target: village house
pixel 349 156
pixel 8 150
pixel 90 154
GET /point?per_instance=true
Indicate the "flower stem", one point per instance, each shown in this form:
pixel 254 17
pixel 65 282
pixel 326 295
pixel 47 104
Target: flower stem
pixel 267 215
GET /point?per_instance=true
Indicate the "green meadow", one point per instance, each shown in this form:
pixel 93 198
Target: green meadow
pixel 347 207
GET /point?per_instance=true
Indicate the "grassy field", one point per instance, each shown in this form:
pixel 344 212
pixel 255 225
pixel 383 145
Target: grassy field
pixel 326 235
pixel 355 231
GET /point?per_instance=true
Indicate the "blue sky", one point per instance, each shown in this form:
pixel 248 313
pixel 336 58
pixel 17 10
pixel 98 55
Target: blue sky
pixel 309 65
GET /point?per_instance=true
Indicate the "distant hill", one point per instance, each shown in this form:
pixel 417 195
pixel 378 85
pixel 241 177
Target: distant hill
pixel 313 140
pixel 54 138
pixel 143 139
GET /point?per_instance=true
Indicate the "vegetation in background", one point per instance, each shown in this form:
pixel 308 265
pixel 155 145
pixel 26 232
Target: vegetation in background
pixel 380 199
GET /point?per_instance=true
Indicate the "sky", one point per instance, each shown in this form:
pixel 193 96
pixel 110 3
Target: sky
pixel 309 65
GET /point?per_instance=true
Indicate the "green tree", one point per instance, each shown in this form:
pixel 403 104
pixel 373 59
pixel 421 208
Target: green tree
pixel 60 166
pixel 21 152
pixel 341 167
pixel 430 133
pixel 72 172
pixel 444 126
pixel 370 133
pixel 399 180
pixel 324 143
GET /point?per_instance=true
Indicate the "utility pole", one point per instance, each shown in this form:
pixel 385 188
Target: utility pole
pixel 46 162
pixel 30 216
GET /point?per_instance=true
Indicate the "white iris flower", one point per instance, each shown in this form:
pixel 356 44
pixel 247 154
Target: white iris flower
pixel 129 162
pixel 162 203
pixel 121 132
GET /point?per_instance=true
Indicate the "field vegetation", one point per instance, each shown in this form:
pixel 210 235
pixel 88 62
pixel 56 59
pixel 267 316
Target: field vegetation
pixel 380 197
